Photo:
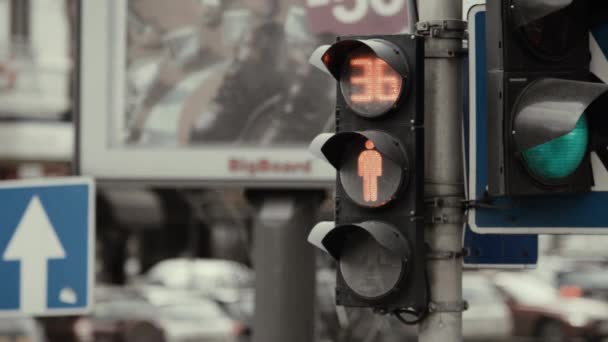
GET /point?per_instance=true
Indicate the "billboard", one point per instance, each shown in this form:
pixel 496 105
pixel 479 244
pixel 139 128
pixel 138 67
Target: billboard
pixel 212 91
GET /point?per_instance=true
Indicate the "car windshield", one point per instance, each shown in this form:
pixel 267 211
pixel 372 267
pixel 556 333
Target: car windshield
pixel 527 289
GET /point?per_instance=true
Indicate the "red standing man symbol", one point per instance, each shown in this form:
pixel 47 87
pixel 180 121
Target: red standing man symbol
pixel 369 167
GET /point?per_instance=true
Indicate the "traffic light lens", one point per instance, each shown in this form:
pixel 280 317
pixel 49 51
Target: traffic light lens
pixel 370 270
pixel 561 157
pixel 553 36
pixel 370 86
pixel 368 177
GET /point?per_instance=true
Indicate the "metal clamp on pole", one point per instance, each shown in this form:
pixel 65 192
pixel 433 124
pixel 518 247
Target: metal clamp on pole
pixel 444 219
pixel 449 306
pixel 444 210
pixel 447 29
pixel 447 255
pixel 445 202
pixel 444 29
pixel 435 215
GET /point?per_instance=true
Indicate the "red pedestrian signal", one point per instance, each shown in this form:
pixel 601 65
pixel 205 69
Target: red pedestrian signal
pixel 370 168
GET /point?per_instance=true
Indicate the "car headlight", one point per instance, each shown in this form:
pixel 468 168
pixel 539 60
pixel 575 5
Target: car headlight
pixel 578 320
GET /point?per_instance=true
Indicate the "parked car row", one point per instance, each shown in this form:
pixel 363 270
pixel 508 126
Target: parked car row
pixel 488 319
pixel 200 300
pixel 151 315
pixel 538 310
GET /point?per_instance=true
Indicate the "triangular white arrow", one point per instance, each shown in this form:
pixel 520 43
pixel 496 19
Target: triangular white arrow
pixel 599 66
pixel 34 236
pixel 33 244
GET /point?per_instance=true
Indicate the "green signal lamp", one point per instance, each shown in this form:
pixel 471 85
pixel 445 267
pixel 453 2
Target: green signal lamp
pixel 559 158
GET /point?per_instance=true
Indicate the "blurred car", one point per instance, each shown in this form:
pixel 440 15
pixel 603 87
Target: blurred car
pixel 191 316
pixel 488 317
pixel 326 319
pixel 585 283
pixel 241 309
pixel 200 320
pixel 123 320
pixel 20 330
pixel 331 320
pixel 576 277
pixel 220 278
pixel 119 315
pixel 539 311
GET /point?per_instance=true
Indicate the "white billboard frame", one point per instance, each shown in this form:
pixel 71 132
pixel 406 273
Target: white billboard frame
pixel 101 88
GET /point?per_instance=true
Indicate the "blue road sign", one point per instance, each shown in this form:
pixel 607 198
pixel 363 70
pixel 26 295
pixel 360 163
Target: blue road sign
pixel 500 251
pixel 562 214
pixel 494 250
pixel 46 247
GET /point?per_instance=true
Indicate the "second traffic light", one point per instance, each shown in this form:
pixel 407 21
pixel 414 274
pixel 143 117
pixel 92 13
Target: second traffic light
pixel 545 109
pixel 377 238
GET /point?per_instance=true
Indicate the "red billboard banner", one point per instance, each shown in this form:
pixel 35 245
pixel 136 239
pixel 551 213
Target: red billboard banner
pixel 358 17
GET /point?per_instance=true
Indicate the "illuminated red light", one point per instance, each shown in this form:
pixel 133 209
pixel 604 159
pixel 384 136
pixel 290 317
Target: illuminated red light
pixel 570 291
pixel 326 59
pixel 388 82
pixel 365 80
pixel 369 167
pixel 377 81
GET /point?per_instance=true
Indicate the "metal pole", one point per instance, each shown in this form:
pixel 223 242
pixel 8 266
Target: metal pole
pixel 285 265
pixel 441 22
pixel 20 21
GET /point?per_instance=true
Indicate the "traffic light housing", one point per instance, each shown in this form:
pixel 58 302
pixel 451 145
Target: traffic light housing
pixel 377 238
pixel 544 106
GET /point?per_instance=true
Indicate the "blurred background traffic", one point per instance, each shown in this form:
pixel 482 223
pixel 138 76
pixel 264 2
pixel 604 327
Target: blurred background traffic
pixel 175 264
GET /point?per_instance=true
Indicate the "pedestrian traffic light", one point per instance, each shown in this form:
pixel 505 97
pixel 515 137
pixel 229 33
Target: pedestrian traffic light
pixel 377 238
pixel 544 106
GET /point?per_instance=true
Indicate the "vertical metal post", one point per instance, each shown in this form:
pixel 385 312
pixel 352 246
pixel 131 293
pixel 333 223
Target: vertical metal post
pixel 441 23
pixel 20 20
pixel 285 265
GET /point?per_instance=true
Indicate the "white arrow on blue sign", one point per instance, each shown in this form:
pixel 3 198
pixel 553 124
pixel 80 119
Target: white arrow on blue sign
pixel 46 247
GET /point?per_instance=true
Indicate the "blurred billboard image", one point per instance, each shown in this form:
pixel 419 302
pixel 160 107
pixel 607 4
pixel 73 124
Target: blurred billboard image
pixel 223 86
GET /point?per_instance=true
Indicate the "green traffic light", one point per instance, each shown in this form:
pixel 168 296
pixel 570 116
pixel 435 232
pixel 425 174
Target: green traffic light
pixel 559 158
